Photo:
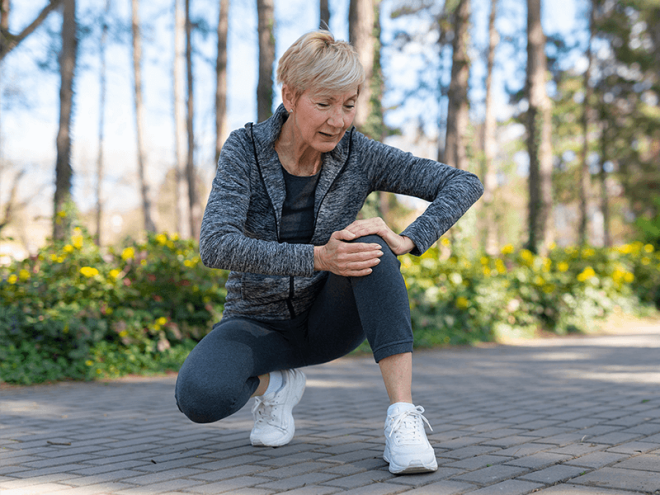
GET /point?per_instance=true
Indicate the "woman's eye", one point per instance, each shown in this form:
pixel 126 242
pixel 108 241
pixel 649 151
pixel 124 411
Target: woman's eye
pixel 350 107
pixel 323 105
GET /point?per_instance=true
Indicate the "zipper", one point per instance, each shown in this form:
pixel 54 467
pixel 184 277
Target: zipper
pixel 289 300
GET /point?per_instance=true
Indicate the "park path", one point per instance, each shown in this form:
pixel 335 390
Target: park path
pixel 557 417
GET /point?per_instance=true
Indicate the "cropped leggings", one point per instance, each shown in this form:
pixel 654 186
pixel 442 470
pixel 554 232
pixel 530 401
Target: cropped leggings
pixel 221 373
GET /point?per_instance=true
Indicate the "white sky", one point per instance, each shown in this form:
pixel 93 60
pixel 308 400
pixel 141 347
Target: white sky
pixel 30 115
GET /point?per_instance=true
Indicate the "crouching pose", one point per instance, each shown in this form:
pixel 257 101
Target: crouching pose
pixel 308 282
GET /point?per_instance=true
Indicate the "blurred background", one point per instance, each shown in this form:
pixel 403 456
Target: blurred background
pixel 113 113
pixel 122 106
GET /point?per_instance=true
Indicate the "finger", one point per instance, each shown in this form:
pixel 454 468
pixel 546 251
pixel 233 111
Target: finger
pixel 343 235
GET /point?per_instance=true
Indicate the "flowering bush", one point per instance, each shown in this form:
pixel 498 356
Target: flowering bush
pixel 71 312
pixel 66 311
pixel 459 299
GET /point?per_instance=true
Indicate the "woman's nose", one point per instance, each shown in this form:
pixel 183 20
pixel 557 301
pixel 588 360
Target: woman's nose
pixel 336 118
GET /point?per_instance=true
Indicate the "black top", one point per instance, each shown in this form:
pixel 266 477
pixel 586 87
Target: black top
pixel 298 209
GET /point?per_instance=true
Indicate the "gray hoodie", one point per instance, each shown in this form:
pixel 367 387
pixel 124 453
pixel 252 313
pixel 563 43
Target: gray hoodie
pixel 270 279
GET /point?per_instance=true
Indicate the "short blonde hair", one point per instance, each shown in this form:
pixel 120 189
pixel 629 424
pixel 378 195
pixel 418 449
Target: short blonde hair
pixel 318 61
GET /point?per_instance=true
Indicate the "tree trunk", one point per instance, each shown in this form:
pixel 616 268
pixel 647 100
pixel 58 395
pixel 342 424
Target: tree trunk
pixel 490 145
pixel 99 159
pixel 139 118
pixel 63 170
pixel 5 7
pixel 181 188
pixel 324 9
pixel 361 36
pixel 266 27
pixel 585 178
pixel 193 204
pixel 457 112
pixel 538 135
pixel 604 197
pixel 221 122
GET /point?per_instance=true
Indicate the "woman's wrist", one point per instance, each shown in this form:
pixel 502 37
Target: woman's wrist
pixel 318 262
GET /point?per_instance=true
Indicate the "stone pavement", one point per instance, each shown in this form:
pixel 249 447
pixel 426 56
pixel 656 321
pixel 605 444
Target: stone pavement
pixel 556 417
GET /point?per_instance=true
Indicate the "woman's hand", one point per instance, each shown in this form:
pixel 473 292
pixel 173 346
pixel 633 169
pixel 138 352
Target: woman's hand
pixel 347 259
pixel 398 244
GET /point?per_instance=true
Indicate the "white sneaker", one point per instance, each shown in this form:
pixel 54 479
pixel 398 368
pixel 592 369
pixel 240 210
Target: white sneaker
pixel 273 421
pixel 406 447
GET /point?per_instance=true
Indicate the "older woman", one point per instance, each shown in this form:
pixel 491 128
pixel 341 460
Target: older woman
pixel 309 282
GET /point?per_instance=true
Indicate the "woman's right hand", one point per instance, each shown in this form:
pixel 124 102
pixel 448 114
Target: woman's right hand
pixel 345 258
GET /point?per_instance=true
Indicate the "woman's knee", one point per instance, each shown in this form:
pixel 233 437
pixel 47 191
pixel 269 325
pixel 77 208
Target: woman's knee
pixel 205 400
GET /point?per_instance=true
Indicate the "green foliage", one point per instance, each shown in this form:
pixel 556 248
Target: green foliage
pixel 73 313
pixel 458 299
pixel 648 227
pixel 70 312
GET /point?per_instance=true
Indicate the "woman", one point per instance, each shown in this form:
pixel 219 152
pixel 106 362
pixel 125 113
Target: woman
pixel 308 282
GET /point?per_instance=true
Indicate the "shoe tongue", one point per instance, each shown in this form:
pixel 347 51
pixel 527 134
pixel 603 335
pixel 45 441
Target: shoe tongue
pixel 399 407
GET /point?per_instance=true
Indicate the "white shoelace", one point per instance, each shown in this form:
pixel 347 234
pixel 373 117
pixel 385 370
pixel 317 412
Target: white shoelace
pixel 263 410
pixel 409 425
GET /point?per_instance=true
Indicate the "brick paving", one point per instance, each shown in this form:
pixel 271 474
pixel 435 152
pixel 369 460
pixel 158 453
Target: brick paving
pixel 557 417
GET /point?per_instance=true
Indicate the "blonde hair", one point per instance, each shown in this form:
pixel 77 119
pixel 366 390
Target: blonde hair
pixel 318 61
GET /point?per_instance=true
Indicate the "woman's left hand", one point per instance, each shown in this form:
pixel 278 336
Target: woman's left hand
pixel 398 244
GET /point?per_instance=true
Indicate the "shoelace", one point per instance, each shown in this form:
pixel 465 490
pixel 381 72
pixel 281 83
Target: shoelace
pixel 263 410
pixel 408 423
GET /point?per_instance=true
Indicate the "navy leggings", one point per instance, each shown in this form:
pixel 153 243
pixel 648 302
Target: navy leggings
pixel 221 372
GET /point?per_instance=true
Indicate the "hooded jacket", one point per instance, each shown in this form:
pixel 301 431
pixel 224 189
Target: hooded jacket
pixel 275 280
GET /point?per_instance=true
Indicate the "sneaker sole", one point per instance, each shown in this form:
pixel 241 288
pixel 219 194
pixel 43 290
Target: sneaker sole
pixel 256 442
pixel 415 466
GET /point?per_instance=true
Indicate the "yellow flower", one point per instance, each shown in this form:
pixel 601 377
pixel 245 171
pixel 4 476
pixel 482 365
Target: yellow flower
pixel 128 253
pixel 189 263
pixel 115 273
pixel 161 321
pixel 484 260
pixel 487 271
pixel 170 244
pixel 538 280
pixel 88 271
pixel 586 274
pixel 549 288
pixel 68 248
pixel 12 279
pixel 563 266
pixel 77 240
pixel 60 259
pixel 445 241
pixel 527 255
pixel 552 245
pixel 53 257
pixel 161 239
pixel 649 248
pixel 123 333
pixel 175 237
pixel 625 249
pixel 646 260
pixel 23 274
pixel 61 214
pixel 462 302
pixel 156 327
pixel 89 363
pixel 508 249
pixel 628 277
pixel 143 262
pixel 500 266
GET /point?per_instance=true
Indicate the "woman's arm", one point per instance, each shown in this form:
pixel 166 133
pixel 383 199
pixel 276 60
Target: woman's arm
pixel 223 242
pixel 451 191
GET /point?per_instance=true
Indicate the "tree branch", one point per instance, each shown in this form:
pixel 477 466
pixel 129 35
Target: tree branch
pixel 10 41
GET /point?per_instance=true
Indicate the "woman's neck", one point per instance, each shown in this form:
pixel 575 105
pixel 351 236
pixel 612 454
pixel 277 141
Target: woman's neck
pixel 296 157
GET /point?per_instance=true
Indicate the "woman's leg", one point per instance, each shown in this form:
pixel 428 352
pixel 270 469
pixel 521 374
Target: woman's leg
pixel 221 372
pixel 348 309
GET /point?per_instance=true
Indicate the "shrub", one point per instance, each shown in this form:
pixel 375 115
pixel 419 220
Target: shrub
pixel 71 312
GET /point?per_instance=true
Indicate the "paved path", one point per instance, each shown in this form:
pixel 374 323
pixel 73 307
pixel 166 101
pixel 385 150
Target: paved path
pixel 561 416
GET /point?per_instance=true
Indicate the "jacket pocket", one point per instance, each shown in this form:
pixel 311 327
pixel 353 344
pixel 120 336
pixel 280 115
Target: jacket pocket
pixel 264 288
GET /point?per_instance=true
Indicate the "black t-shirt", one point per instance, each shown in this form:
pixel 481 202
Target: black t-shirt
pixel 298 209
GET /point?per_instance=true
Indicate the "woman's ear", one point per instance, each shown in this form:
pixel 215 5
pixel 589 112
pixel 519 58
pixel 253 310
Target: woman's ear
pixel 288 98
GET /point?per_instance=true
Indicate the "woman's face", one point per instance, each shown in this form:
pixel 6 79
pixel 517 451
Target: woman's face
pixel 321 119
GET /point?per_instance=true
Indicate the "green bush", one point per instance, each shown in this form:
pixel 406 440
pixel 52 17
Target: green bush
pixel 72 312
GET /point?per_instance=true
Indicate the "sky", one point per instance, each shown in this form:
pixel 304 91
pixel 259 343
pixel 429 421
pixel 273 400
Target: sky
pixel 30 105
